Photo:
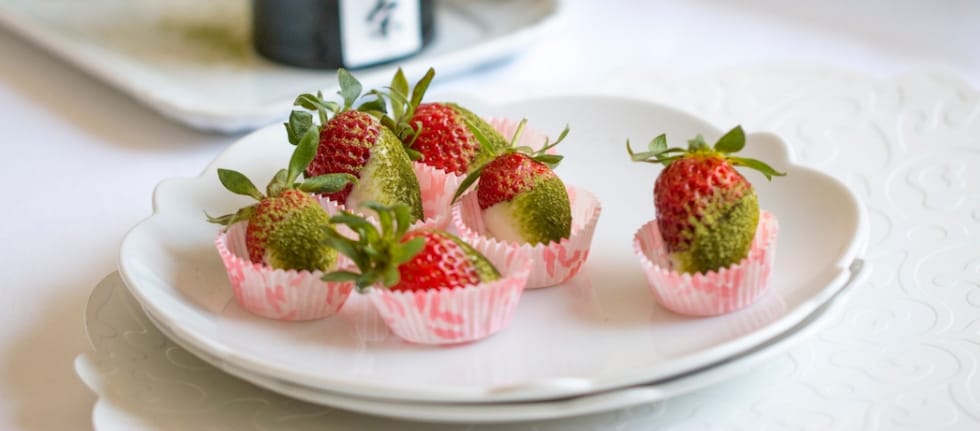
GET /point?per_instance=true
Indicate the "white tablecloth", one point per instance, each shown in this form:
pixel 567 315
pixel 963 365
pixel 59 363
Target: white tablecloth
pixel 80 161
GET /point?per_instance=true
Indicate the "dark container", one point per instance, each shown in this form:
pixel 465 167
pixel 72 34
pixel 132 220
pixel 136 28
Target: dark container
pixel 328 34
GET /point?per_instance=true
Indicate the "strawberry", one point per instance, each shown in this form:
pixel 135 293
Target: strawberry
pixel 392 257
pixel 438 133
pixel 285 226
pixel 707 212
pixel 354 141
pixel 522 198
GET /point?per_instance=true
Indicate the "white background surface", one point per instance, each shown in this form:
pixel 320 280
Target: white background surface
pixel 80 160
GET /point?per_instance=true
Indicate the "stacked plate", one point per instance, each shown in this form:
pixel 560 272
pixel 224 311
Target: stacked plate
pixel 598 342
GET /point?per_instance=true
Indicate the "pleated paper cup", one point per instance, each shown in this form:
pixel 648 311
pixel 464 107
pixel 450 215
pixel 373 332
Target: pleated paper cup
pixel 456 315
pixel 715 292
pixel 276 293
pixel 507 127
pixel 438 188
pixel 555 262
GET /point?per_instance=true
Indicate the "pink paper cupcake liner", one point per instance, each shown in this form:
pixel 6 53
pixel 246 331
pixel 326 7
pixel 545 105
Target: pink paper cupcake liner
pixel 529 137
pixel 437 187
pixel 459 315
pixel 715 292
pixel 555 262
pixel 276 293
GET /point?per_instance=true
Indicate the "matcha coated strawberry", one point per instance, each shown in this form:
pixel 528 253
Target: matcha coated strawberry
pixel 285 227
pixel 522 199
pixel 438 133
pixel 707 212
pixel 398 259
pixel 284 233
pixel 355 142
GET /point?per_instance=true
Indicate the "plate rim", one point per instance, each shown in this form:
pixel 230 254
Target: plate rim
pixel 548 409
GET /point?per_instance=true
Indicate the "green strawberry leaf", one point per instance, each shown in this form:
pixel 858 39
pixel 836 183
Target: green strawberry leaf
pixel 412 133
pixel 223 220
pixel 303 154
pixel 315 102
pixel 418 92
pixel 731 142
pixel 399 84
pixel 309 101
pixel 656 150
pixel 340 276
pixel 467 182
pixel 669 155
pixel 697 143
pixel 385 219
pixel 517 133
pixel 758 165
pixel 399 101
pixel 645 157
pixel 403 216
pixel 551 160
pixel 414 155
pixel 355 222
pixel 366 231
pixel 345 246
pixel 658 144
pixel 327 183
pixel 407 250
pixel 278 183
pixel 367 280
pixel 485 144
pixel 561 136
pixel 389 123
pixel 373 106
pixel 238 183
pixel 350 87
pixel 299 122
pixel 242 214
pixel 629 151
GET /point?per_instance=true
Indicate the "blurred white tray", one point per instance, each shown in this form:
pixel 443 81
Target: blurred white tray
pixel 192 61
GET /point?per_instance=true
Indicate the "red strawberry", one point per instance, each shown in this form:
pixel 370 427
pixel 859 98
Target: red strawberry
pixel 707 212
pixel 438 134
pixel 418 260
pixel 355 142
pixel 285 227
pixel 522 199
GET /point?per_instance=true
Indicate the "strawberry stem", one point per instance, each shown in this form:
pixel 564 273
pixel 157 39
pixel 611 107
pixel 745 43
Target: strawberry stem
pixel 377 251
pixel 404 102
pixel 731 142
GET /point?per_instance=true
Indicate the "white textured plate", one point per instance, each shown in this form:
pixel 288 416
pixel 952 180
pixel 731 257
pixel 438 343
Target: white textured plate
pixel 602 330
pixel 111 310
pixel 192 61
pixel 562 407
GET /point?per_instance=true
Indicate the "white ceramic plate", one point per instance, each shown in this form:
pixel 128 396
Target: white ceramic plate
pixel 192 61
pixel 124 364
pixel 601 331
pixel 562 407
